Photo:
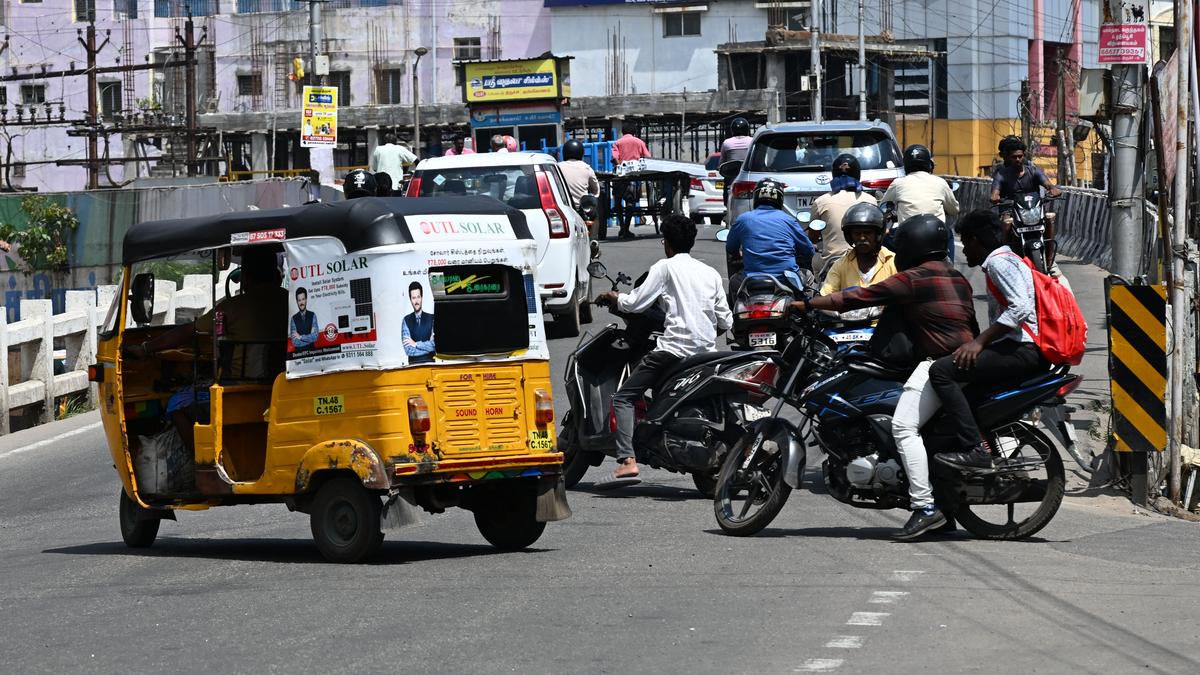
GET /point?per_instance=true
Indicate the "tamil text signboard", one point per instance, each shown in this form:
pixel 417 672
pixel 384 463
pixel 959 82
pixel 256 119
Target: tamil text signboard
pixel 501 81
pixel 1124 43
pixel 318 124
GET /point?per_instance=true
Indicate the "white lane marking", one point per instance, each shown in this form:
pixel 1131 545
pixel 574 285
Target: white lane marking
pixel 886 597
pixel 906 575
pixel 819 666
pixel 845 642
pixel 867 618
pixel 51 441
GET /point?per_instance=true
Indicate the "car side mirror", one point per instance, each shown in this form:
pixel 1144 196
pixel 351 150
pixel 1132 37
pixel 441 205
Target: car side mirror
pixel 597 270
pixel 141 298
pixel 817 225
pixel 729 170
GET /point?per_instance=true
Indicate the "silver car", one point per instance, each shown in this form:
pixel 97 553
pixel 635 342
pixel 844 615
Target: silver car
pixel 800 155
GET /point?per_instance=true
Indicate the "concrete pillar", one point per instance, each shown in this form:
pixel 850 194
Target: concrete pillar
pixel 38 356
pixel 259 160
pixel 373 137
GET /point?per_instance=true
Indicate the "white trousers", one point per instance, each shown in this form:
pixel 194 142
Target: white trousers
pixel 917 404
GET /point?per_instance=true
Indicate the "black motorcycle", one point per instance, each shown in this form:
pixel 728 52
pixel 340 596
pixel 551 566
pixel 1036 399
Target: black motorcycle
pixel 847 401
pixel 1032 225
pixel 698 409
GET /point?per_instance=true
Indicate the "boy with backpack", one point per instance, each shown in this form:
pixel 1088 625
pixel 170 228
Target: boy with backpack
pixel 1034 322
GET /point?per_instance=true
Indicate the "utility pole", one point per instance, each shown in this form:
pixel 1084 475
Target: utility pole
pixel 316 36
pixel 1026 116
pixel 188 40
pixel 814 32
pixel 1126 190
pixel 862 64
pixel 1180 304
pixel 93 113
pixel 1061 110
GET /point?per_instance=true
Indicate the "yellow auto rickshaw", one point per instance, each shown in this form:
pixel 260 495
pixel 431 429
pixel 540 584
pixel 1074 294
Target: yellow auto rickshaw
pixel 369 358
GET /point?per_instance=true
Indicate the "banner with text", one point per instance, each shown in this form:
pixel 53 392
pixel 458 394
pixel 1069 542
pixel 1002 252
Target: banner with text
pixel 318 122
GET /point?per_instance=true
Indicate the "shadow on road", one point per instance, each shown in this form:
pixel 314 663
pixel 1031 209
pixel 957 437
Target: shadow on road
pixel 662 493
pixel 280 550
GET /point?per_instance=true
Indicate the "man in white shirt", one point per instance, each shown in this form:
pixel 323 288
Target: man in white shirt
pixel 919 192
pixel 390 158
pixel 693 297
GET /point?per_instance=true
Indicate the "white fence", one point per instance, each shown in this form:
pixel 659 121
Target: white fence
pixel 27 376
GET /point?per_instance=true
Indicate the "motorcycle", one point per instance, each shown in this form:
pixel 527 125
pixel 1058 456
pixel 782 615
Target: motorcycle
pixel 846 402
pixel 1030 222
pixel 695 412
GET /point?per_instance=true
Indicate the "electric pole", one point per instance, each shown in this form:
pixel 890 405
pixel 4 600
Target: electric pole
pixel 814 31
pixel 1180 304
pixel 1126 189
pixel 315 38
pixel 93 113
pixel 1061 110
pixel 862 64
pixel 188 40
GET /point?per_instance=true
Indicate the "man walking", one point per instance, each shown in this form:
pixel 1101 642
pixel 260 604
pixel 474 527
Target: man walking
pixel 390 158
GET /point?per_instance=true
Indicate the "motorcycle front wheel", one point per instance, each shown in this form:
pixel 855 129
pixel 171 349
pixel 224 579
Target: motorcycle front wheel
pixel 1040 468
pixel 750 495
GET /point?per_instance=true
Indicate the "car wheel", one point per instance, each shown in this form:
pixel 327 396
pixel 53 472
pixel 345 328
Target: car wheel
pixel 585 305
pixel 567 323
pixel 697 218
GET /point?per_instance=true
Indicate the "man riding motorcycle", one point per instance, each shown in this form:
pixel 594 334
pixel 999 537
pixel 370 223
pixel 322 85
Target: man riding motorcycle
pixel 1016 177
pixel 929 312
pixel 845 191
pixel 919 191
pixel 771 241
pixel 692 295
pixel 736 147
pixel 867 262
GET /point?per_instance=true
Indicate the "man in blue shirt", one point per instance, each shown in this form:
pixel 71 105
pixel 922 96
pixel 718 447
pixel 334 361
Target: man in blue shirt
pixel 304 323
pixel 771 241
pixel 417 332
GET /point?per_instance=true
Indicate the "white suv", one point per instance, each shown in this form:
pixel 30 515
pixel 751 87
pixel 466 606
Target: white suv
pixel 529 181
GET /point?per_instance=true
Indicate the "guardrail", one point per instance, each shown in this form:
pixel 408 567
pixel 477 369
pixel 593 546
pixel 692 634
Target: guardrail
pixel 46 355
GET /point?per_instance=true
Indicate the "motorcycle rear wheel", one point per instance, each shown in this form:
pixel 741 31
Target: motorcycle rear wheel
pixel 748 499
pixel 980 520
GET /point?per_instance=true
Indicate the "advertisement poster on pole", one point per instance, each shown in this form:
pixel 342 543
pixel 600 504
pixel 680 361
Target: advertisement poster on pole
pixel 1124 43
pixel 318 123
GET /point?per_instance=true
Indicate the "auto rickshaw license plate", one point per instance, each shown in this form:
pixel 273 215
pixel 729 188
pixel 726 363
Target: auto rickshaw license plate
pixel 762 339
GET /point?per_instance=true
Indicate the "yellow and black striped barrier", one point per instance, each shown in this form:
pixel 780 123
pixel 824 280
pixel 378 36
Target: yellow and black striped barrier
pixel 1137 366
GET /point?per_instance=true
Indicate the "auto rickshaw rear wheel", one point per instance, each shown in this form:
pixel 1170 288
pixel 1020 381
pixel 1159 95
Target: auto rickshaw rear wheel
pixel 506 515
pixel 137 530
pixel 345 520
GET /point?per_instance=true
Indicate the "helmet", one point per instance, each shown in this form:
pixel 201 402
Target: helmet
pixel 862 214
pixel 1010 143
pixel 846 158
pixel 770 192
pixel 739 127
pixel 359 183
pixel 919 239
pixel 572 149
pixel 918 158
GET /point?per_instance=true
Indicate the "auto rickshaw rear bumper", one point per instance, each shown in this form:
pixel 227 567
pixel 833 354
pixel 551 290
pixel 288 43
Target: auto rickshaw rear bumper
pixel 476 469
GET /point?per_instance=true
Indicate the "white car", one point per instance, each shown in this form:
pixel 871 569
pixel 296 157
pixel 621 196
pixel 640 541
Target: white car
pixel 531 182
pixel 706 198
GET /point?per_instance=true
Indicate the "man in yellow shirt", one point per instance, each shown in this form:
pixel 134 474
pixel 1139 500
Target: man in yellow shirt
pixel 867 262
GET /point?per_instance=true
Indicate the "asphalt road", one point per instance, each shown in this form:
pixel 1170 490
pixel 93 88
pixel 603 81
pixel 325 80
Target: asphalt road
pixel 639 581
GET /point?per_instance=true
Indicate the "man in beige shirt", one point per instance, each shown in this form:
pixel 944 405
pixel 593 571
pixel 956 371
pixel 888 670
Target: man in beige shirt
pixel 919 192
pixel 845 191
pixel 578 174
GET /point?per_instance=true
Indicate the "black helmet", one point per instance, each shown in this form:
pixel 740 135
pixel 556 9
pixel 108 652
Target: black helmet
pixel 739 127
pixel 918 158
pixel 1010 143
pixel 572 149
pixel 359 183
pixel 862 214
pixel 918 239
pixel 768 191
pixel 853 170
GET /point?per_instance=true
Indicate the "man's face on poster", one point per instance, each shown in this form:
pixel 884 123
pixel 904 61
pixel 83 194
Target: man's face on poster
pixel 416 296
pixel 302 301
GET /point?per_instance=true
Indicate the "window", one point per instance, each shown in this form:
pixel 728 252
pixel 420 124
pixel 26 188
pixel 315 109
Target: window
pixel 467 49
pixel 341 80
pixel 179 8
pixel 258 6
pixel 3 95
pixel 33 93
pixel 815 151
pixel 389 82
pixel 250 84
pixel 343 4
pixel 85 11
pixel 681 24
pixel 110 99
pixel 126 9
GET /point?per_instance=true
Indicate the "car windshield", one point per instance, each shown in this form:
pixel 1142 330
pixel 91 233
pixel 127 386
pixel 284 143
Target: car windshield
pixel 505 183
pixel 815 151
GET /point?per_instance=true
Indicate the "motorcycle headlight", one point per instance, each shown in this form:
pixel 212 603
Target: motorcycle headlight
pixel 1032 216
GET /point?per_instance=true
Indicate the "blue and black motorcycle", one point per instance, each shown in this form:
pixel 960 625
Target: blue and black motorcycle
pixel 846 401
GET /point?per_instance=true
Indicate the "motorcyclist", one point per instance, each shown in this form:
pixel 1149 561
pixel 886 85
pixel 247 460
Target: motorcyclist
pixel 770 240
pixel 578 174
pixel 359 183
pixel 845 191
pixel 929 312
pixel 1016 176
pixel 736 147
pixel 867 262
pixel 1005 351
pixel 919 191
pixel 691 294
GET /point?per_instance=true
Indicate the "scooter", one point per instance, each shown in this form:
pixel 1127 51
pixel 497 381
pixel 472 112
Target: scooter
pixel 688 422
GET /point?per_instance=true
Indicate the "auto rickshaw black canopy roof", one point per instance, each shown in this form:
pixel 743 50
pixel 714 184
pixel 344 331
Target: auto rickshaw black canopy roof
pixel 360 224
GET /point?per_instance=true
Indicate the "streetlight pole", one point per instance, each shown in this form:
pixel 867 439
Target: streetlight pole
pixel 419 51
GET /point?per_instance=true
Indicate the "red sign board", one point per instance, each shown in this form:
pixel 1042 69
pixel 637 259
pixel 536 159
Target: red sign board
pixel 1124 43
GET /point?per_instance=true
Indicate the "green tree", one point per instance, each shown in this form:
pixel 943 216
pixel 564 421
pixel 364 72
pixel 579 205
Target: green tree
pixel 45 241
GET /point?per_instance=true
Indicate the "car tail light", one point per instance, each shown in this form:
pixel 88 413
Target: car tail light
pixel 757 308
pixel 755 376
pixel 1069 387
pixel 418 416
pixel 414 187
pixel 878 183
pixel 543 408
pixel 697 184
pixel 558 219
pixel 742 189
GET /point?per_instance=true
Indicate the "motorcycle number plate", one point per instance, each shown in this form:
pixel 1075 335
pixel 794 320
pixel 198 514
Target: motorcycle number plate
pixel 762 339
pixel 1031 228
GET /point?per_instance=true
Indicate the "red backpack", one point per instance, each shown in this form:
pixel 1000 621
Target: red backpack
pixel 1062 330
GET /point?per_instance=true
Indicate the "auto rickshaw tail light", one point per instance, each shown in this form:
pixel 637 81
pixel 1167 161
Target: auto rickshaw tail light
pixel 558 220
pixel 418 416
pixel 543 408
pixel 95 373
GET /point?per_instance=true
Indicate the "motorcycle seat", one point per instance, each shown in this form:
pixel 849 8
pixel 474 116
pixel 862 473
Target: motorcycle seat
pixel 868 365
pixel 695 360
pixel 981 391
